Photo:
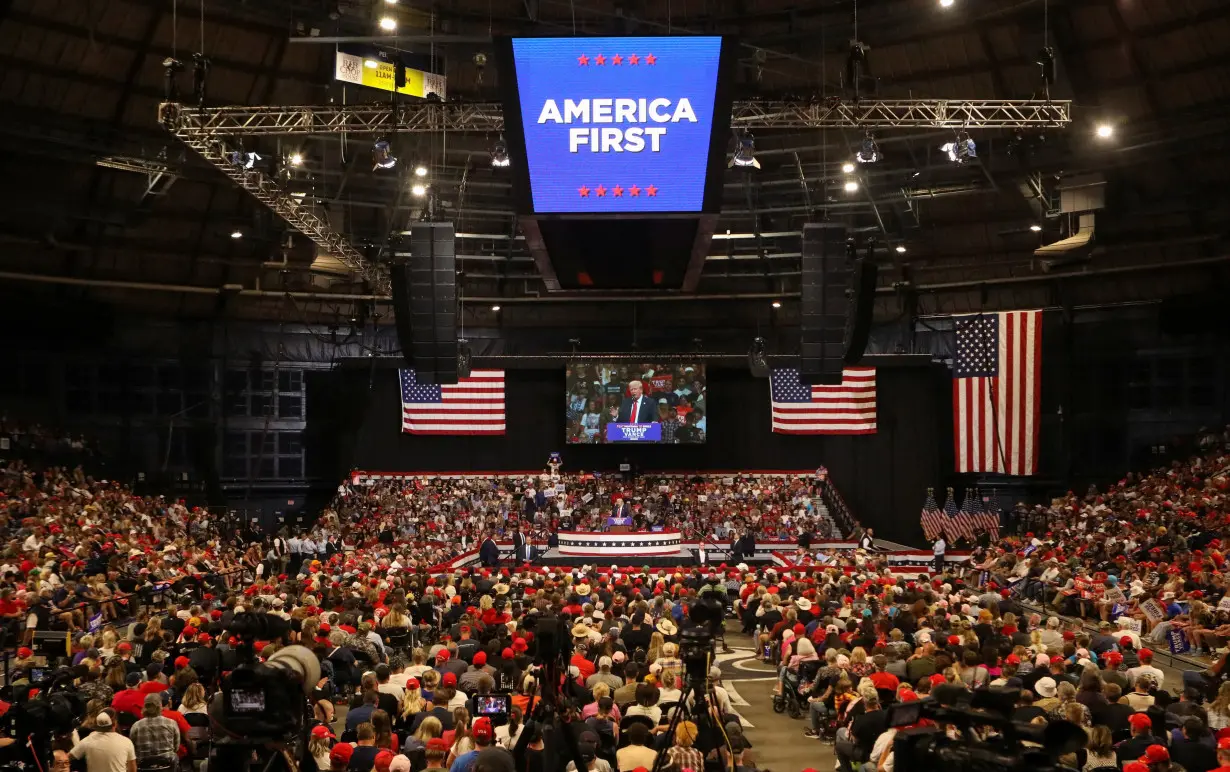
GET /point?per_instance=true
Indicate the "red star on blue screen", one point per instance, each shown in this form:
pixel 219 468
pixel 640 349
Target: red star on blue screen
pixel 599 59
pixel 651 59
pixel 583 60
pixel 634 191
pixel 617 59
pixel 584 191
pixel 601 191
pixel 618 191
pixel 651 191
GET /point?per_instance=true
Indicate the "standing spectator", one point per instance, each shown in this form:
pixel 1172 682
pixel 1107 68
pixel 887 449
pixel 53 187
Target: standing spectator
pixel 103 749
pixel 155 737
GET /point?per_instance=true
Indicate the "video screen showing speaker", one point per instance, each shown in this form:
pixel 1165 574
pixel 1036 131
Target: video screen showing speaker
pixel 617 125
pixel 613 402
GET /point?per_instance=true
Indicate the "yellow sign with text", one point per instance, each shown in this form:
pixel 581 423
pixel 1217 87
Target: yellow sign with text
pixel 377 73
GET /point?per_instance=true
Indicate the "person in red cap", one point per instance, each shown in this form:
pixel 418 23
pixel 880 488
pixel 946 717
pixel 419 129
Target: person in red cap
pixel 1223 755
pixel 1142 737
pixel 1156 758
pixel 320 743
pixel 1146 668
pixel 436 753
pixel 1110 672
pixel 484 736
pixel 339 757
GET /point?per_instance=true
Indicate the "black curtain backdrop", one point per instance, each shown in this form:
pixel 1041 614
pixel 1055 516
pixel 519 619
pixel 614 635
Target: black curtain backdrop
pixel 883 477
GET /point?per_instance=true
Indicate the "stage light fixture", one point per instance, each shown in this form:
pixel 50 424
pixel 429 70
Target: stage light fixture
pixel 745 153
pixel 382 155
pixel 495 308
pixel 420 171
pixel 777 304
pixel 869 151
pixel 390 2
pixel 419 190
pixel 296 159
pixel 244 160
pixel 946 3
pixel 757 358
pixel 388 24
pixel 1105 131
pixel 901 249
pixel 961 150
pixel 851 187
pixel 1035 228
pixel 499 154
pixel 847 167
pixel 237 234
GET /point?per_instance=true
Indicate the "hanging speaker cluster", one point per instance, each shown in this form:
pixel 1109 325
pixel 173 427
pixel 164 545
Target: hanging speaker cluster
pixel 838 296
pixel 424 277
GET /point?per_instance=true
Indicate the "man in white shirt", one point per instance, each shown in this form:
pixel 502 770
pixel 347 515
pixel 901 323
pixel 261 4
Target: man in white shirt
pixel 1146 668
pixel 104 750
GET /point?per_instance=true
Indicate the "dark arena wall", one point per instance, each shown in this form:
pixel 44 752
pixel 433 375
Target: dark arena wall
pixel 882 476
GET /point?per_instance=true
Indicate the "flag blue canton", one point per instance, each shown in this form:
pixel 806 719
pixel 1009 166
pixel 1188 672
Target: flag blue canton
pixel 413 391
pixel 787 388
pixel 950 507
pixel 977 354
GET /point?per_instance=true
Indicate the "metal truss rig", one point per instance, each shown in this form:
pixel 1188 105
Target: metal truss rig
pixel 187 122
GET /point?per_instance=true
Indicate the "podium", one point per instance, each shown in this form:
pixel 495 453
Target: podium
pixel 619 525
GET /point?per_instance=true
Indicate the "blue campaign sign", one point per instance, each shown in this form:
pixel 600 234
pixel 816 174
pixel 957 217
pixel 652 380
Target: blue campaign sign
pixel 617 124
pixel 634 432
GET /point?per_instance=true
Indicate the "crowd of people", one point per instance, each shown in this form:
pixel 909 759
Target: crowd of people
pixel 410 652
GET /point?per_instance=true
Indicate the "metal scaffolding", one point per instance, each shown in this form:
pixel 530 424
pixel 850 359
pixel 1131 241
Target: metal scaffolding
pixel 203 130
pixel 186 122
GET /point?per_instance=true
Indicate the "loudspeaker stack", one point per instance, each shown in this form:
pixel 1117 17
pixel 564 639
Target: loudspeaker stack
pixel 424 277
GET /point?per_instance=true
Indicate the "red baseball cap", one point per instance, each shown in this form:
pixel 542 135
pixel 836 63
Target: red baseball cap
pixel 181 662
pixel 124 646
pixel 25 652
pixel 322 731
pixel 507 653
pixel 1056 659
pixel 442 655
pixel 1223 744
pixel 341 753
pixel 1146 655
pixel 412 683
pixel 1125 640
pixel 450 679
pixel 482 728
pixel 438 744
pixel 954 640
pixel 1135 766
pixel 1155 754
pixel 1140 721
pixel 383 760
pixel 480 659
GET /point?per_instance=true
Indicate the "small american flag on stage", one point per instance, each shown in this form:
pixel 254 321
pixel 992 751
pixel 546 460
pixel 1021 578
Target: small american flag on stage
pixel 932 519
pixel 848 408
pixel 996 386
pixel 473 405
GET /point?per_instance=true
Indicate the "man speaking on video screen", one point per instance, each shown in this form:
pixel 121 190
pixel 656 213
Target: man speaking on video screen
pixel 637 408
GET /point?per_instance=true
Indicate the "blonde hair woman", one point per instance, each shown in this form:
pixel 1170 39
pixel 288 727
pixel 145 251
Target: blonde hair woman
pixel 412 702
pixel 396 617
pixel 656 642
pixel 463 743
pixel 1219 709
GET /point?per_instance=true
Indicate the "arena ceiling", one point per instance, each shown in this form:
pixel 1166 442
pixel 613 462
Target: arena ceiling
pixel 85 218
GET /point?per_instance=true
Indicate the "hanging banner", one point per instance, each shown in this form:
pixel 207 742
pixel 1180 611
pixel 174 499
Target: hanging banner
pixel 378 73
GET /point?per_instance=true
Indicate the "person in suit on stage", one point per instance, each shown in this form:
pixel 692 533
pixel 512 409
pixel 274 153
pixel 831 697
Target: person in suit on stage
pixel 489 552
pixel 868 540
pixel 636 408
pixel 520 554
pixel 622 509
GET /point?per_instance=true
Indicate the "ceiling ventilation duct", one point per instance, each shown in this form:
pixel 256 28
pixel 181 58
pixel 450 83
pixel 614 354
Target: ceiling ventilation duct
pixel 1079 200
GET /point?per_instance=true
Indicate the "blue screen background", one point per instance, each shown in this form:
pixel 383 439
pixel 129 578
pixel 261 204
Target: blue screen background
pixel 549 68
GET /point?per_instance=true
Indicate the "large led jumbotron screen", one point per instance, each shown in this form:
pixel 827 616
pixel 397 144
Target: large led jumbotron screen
pixel 618 125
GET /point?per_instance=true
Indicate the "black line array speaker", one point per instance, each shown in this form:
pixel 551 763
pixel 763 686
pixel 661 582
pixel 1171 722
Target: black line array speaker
pixel 858 323
pixel 825 303
pixel 424 276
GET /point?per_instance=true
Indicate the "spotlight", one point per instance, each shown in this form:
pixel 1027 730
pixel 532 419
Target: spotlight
pixel 499 154
pixel 296 159
pixel 419 190
pixel 1105 131
pixel 495 308
pixel 946 3
pixel 1035 228
pixel 869 152
pixel 757 358
pixel 371 64
pixel 237 234
pixel 745 153
pixel 962 150
pixel 847 167
pixel 382 155
pixel 244 160
pixel 420 171
pixel 777 304
pixel 851 186
pixel 388 24
pixel 390 2
pixel 901 249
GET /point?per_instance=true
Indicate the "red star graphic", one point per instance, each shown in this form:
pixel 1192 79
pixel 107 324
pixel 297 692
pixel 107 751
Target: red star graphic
pixel 634 59
pixel 618 191
pixel 583 60
pixel 584 191
pixel 651 59
pixel 634 191
pixel 601 191
pixel 651 191
pixel 599 59
pixel 617 59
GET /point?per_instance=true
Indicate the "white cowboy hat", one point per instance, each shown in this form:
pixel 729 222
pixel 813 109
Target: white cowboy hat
pixel 667 627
